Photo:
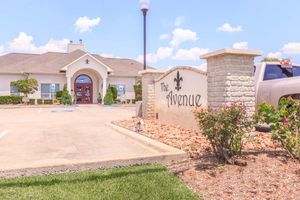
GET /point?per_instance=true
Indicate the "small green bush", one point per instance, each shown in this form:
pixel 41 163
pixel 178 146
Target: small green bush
pixel 108 99
pixel 31 102
pixel 66 98
pixel 266 113
pixel 114 92
pixel 10 99
pixel 48 101
pixel 40 101
pixel 58 100
pixel 138 98
pixel 286 129
pixel 55 101
pixel 224 128
pixel 58 94
pixel 138 91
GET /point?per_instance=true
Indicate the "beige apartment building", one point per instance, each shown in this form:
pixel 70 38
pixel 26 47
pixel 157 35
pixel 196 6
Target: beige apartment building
pixel 86 75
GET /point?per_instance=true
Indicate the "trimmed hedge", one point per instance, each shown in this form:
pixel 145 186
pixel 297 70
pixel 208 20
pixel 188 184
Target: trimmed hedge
pixel 10 99
pixel 48 101
pixel 40 101
pixel 31 102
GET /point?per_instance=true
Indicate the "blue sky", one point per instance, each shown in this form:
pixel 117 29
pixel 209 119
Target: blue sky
pixel 178 31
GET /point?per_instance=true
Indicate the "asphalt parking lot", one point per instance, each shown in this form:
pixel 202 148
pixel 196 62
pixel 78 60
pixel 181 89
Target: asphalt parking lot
pixel 52 136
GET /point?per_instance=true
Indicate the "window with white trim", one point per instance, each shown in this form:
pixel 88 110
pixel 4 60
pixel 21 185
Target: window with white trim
pixel 14 90
pixel 120 89
pixel 48 91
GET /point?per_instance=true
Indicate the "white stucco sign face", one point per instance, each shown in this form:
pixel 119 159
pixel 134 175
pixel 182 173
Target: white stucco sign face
pixel 178 92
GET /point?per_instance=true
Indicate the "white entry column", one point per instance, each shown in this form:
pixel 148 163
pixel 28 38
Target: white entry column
pixel 103 88
pixel 69 84
pixel 230 77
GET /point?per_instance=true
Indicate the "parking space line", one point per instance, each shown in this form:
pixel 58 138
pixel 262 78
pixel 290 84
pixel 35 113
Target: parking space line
pixel 40 110
pixel 3 133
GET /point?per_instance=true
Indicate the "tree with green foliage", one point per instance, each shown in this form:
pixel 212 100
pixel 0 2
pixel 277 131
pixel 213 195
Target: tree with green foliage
pixel 267 59
pixel 26 86
pixel 108 99
pixel 66 98
pixel 114 93
pixel 138 91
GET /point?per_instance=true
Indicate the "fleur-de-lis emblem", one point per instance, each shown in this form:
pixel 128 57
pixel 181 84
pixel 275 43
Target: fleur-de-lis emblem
pixel 177 80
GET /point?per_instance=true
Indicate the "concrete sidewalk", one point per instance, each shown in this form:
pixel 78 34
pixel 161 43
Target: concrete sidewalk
pixel 41 140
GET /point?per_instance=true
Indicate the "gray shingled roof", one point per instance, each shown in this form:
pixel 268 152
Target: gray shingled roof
pixel 52 62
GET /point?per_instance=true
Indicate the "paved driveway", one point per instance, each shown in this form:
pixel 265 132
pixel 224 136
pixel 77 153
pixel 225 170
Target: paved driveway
pixel 39 137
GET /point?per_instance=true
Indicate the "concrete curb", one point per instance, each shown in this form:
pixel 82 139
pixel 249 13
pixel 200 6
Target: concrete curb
pixel 159 146
pixel 88 165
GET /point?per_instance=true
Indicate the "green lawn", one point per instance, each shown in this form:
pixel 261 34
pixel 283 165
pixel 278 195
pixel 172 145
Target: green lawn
pixel 140 182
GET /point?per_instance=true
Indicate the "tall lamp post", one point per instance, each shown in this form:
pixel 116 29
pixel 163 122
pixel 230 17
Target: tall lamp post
pixel 144 9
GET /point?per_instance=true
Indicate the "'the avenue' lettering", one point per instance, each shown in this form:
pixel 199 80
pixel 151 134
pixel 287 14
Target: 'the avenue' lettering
pixel 164 87
pixel 183 99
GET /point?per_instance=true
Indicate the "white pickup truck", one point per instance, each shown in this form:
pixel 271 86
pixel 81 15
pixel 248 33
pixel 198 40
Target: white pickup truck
pixel 273 80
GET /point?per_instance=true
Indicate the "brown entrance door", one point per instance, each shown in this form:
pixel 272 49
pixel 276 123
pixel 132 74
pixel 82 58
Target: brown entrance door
pixel 83 90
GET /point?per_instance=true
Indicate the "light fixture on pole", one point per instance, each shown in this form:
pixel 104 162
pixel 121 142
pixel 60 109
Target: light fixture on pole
pixel 144 8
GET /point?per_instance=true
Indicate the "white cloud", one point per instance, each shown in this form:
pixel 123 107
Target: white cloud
pixel 164 36
pixel 274 55
pixel 24 44
pixel 2 49
pixel 54 46
pixel 202 67
pixel 161 53
pixel 164 52
pixel 150 57
pixel 228 28
pixel 190 54
pixel 85 24
pixel 182 35
pixel 291 48
pixel 240 45
pixel 178 21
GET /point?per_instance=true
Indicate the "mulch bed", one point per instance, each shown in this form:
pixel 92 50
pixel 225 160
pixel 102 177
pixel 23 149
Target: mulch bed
pixel 270 173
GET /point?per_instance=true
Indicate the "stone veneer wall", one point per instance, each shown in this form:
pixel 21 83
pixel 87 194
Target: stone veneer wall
pixel 231 78
pixel 148 105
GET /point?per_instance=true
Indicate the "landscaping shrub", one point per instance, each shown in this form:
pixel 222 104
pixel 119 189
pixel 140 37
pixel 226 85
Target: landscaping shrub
pixel 58 94
pixel 57 101
pixel 224 128
pixel 31 101
pixel 286 128
pixel 40 101
pixel 108 99
pixel 48 101
pixel 266 114
pixel 10 99
pixel 114 92
pixel 66 98
pixel 26 86
pixel 138 91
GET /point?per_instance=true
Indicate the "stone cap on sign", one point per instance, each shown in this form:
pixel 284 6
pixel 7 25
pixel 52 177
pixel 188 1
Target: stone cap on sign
pixel 150 71
pixel 181 68
pixel 229 51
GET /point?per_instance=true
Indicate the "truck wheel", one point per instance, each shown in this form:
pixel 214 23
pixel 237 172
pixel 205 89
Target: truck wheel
pixel 263 128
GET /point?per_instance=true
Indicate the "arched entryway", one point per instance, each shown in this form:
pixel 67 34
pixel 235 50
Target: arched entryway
pixel 83 89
